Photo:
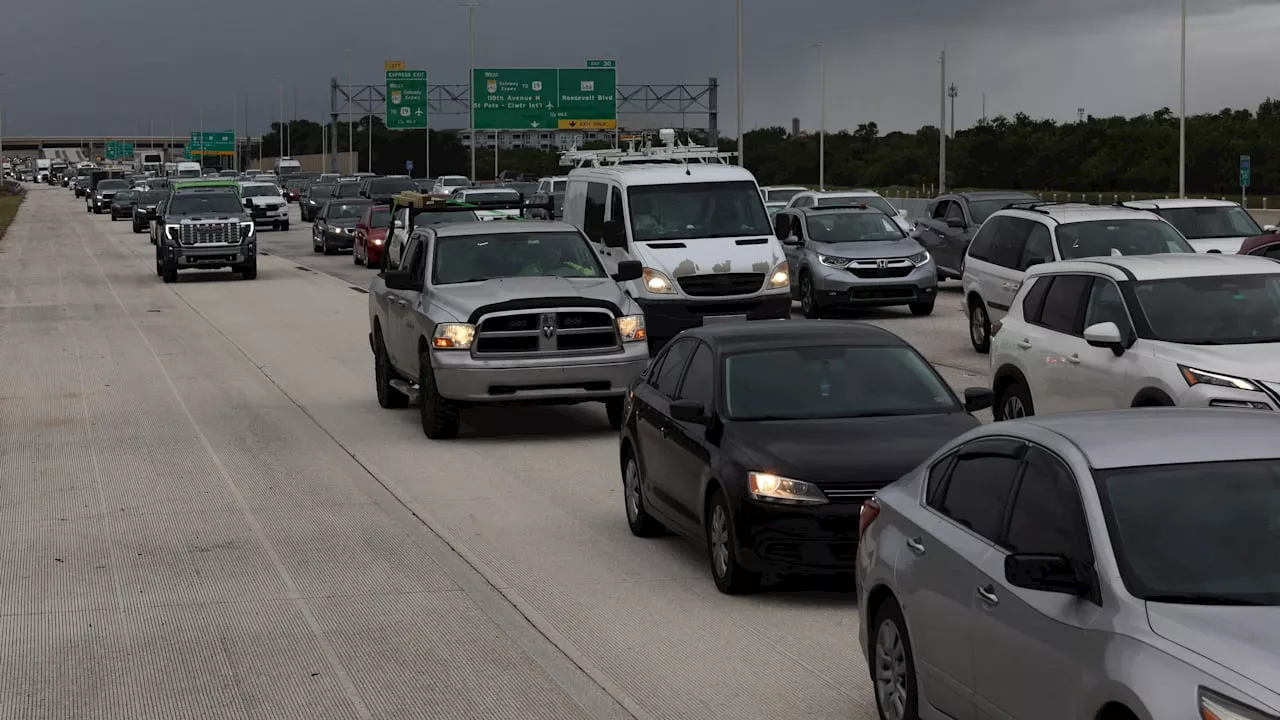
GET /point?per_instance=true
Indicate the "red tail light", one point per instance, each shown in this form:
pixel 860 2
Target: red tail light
pixel 867 515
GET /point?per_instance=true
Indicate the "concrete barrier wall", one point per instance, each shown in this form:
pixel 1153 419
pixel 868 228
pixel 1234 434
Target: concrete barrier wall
pixel 915 208
pixel 310 163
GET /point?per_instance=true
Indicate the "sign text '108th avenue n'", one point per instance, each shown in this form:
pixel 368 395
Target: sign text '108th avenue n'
pixel 531 98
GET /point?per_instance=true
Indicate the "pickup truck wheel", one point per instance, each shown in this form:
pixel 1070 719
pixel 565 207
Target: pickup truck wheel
pixel 169 270
pixel 439 416
pixel 613 407
pixel 249 271
pixel 388 397
pixel 136 229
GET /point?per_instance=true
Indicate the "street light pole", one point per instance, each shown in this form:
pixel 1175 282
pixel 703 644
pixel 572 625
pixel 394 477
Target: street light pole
pixel 952 92
pixel 471 29
pixel 822 129
pixel 942 128
pixel 1182 111
pixel 742 135
pixel 280 128
pixel 351 146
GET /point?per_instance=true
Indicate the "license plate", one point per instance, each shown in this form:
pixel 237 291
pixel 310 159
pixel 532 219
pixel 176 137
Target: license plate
pixel 718 319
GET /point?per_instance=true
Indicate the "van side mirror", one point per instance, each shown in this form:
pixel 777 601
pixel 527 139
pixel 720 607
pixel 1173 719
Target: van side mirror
pixel 629 270
pixel 615 236
pixel 1049 573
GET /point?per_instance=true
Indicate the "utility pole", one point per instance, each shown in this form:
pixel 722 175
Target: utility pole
pixel 1182 111
pixel 742 134
pixel 952 92
pixel 280 127
pixel 202 140
pixel 471 6
pixel 235 137
pixel 294 121
pixel 248 135
pixel 351 145
pixel 822 121
pixel 942 127
pixel 984 108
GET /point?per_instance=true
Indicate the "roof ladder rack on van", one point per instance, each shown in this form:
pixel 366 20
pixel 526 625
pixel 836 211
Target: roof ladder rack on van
pixel 671 152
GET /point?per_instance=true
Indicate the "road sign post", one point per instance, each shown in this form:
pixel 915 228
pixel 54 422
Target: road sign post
pixel 550 98
pixel 1246 173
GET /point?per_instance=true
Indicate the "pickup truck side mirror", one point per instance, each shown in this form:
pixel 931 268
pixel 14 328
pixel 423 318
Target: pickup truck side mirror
pixel 629 270
pixel 614 234
pixel 400 280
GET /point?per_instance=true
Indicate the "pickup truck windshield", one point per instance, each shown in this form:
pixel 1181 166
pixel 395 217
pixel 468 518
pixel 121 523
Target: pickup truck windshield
pixel 205 203
pixel 259 191
pixel 689 211
pixel 475 258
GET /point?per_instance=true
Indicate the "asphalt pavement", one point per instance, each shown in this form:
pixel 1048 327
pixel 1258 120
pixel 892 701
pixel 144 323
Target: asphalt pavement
pixel 204 513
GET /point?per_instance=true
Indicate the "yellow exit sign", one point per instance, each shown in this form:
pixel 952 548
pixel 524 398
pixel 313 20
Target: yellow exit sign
pixel 393 65
pixel 587 124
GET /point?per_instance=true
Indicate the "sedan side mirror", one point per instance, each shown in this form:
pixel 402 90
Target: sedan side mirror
pixel 1049 573
pixel 629 270
pixel 978 398
pixel 956 223
pixel 1105 335
pixel 690 411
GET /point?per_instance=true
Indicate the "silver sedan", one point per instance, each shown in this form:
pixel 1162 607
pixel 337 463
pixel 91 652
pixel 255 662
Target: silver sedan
pixel 1116 565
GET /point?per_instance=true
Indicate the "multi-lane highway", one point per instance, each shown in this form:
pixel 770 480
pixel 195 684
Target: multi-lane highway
pixel 206 514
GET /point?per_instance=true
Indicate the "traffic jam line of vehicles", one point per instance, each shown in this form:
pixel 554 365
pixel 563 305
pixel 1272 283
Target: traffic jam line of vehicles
pixel 1038 566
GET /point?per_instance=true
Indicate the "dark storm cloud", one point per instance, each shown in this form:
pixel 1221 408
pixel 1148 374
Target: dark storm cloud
pixel 122 66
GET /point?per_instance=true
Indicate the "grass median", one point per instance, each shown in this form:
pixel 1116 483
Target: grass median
pixel 8 210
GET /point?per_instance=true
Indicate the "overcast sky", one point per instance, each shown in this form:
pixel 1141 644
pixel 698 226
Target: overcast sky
pixel 115 67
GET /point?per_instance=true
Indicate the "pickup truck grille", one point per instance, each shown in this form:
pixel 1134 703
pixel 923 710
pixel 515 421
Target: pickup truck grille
pixel 204 233
pixel 721 284
pixel 551 330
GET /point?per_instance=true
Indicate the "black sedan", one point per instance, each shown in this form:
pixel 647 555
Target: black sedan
pixel 335 226
pixel 122 204
pixel 762 439
pixel 312 200
pixel 144 210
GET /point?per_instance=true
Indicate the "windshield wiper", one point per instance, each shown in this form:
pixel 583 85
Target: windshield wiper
pixel 1203 599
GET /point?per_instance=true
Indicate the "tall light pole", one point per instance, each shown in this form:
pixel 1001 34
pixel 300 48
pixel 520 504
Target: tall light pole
pixel 742 135
pixel 351 146
pixel 1182 111
pixel 822 122
pixel 1 126
pixel 952 92
pixel 280 128
pixel 942 127
pixel 288 148
pixel 471 81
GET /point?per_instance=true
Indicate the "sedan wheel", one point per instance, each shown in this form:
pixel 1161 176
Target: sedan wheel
pixel 731 578
pixel 1014 402
pixel 979 327
pixel 639 520
pixel 892 666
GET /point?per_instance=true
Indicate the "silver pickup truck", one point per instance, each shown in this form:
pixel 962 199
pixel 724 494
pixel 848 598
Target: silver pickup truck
pixel 505 312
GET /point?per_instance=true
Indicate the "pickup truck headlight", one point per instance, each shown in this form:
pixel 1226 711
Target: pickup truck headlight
pixel 657 282
pixel 169 230
pixel 780 277
pixel 453 336
pixel 768 487
pixel 246 230
pixel 1216 707
pixel 631 328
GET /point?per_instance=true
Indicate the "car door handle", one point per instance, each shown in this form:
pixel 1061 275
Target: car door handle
pixel 1024 344
pixel 1074 358
pixel 1004 285
pixel 915 546
pixel 987 594
pixel 402 302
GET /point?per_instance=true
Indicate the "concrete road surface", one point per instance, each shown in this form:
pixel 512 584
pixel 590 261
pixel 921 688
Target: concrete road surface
pixel 204 513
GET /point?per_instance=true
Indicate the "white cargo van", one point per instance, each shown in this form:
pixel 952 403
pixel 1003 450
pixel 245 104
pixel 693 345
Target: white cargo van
pixel 286 166
pixel 188 170
pixel 695 222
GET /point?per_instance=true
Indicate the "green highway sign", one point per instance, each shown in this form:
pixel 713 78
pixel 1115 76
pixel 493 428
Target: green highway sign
pixel 186 153
pixel 602 63
pixel 118 149
pixel 1246 170
pixel 218 142
pixel 406 93
pixel 528 98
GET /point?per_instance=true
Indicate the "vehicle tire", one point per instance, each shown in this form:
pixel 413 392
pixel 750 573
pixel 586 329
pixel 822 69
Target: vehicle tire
pixel 921 308
pixel 285 226
pixel 169 270
pixel 355 258
pixel 88 209
pixel 249 271
pixel 159 265
pixel 439 416
pixel 722 542
pixel 137 229
pixel 808 301
pixel 613 408
pixel 315 246
pixel 1014 402
pixel 639 520
pixel 892 666
pixel 389 398
pixel 113 217
pixel 979 326
pixel 324 248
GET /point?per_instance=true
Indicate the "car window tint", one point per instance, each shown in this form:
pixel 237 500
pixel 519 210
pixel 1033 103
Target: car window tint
pixel 954 211
pixel 1039 246
pixel 1106 305
pixel 980 248
pixel 668 375
pixel 939 210
pixel 593 211
pixel 1047 516
pixel 1006 248
pixel 1033 301
pixel 1064 302
pixel 936 475
pixel 699 379
pixel 977 492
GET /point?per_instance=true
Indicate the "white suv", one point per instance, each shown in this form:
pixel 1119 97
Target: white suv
pixel 1021 236
pixel 1216 226
pixel 1160 330
pixel 870 198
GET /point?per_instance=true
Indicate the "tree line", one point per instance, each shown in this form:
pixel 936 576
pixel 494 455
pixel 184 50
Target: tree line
pixel 1097 154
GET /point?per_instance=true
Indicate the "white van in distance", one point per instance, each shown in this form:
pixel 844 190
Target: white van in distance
pixel 695 222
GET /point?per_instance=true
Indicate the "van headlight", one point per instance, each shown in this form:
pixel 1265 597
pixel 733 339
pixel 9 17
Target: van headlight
pixel 453 336
pixel 631 328
pixel 780 276
pixel 657 282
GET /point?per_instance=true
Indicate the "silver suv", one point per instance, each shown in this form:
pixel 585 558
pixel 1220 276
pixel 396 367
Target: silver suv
pixel 505 312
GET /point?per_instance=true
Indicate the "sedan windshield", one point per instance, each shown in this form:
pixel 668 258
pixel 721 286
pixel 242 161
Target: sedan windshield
pixel 838 381
pixel 1204 223
pixel 390 186
pixel 259 191
pixel 1103 238
pixel 836 227
pixel 490 197
pixel 473 258
pixel 319 190
pixel 380 219
pixel 346 211
pixel 205 203
pixel 1233 508
pixel 347 190
pixel 1214 310
pixel 689 211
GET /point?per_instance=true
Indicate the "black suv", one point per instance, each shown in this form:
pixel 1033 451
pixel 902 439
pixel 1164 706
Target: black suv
pixel 205 228
pixel 144 210
pixel 381 189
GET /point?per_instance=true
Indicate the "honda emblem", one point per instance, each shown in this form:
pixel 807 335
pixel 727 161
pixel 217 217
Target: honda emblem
pixel 882 263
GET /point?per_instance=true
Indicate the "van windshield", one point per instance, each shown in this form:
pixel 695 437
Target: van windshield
pixel 688 211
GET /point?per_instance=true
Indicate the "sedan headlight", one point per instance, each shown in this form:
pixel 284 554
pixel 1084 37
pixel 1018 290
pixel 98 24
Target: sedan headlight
pixel 1217 707
pixel 1204 377
pixel 336 230
pixel 246 229
pixel 833 261
pixel 453 336
pixel 768 487
pixel 657 282
pixel 631 328
pixel 780 276
pixel 920 258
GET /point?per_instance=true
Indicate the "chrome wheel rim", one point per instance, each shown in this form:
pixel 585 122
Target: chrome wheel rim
pixel 720 541
pixel 977 325
pixel 1013 408
pixel 632 481
pixel 891 672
